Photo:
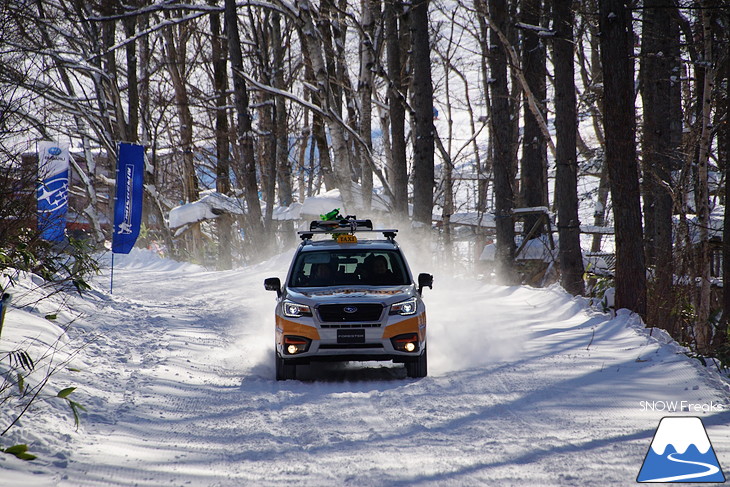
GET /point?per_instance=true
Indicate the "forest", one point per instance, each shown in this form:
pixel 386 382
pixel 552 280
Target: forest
pixel 418 110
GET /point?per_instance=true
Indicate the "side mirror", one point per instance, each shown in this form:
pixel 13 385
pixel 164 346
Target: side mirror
pixel 424 280
pixel 273 284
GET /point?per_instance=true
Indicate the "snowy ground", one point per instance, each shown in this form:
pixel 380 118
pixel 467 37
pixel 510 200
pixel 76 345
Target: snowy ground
pixel 526 387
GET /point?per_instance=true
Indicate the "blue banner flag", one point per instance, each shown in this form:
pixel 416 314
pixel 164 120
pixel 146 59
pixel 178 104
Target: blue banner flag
pixel 52 190
pixel 128 203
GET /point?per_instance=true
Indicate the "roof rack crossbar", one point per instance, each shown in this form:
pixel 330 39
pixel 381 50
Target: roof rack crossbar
pixel 350 223
pixel 388 233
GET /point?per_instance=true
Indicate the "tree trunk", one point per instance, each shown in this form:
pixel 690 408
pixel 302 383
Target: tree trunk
pixel 566 127
pixel 620 127
pixel 145 56
pixel 721 338
pixel 533 173
pixel 176 67
pixel 447 181
pixel 254 226
pixel 264 101
pixel 657 152
pixel 319 138
pixel 130 27
pixel 422 100
pixel 484 167
pixel 281 119
pixel 175 51
pixel 224 223
pixel 284 174
pixel 108 39
pixel 593 81
pixel 365 88
pixel 501 136
pixel 703 331
pixel 599 213
pixel 267 148
pixel 396 103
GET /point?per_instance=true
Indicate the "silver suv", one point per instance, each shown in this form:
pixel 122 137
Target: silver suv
pixel 349 299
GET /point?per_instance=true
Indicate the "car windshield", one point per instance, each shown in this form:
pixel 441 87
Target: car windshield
pixel 347 267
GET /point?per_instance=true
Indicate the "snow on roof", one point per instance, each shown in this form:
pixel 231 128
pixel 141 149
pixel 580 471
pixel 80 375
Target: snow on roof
pixel 322 203
pixel 211 205
pixel 313 206
pixel 530 209
pixel 539 249
pixel 594 229
pixel 473 218
pixel 535 249
pixel 291 212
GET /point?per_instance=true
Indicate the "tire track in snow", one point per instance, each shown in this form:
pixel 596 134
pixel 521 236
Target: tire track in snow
pixel 202 407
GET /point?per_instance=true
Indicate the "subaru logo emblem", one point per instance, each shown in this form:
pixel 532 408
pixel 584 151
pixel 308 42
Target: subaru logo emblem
pixel 350 309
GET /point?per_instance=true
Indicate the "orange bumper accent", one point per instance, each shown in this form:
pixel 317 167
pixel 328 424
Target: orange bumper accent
pixel 288 327
pixel 417 324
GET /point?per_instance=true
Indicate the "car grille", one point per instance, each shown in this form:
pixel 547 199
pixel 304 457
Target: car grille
pixel 351 325
pixel 337 313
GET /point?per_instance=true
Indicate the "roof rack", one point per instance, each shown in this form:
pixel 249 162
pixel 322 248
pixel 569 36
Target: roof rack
pixel 350 224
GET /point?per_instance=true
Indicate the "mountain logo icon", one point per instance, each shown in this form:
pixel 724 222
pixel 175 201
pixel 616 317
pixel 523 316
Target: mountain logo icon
pixel 681 452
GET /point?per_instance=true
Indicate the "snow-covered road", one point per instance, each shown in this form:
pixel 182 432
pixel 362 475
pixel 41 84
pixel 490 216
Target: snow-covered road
pixel 526 387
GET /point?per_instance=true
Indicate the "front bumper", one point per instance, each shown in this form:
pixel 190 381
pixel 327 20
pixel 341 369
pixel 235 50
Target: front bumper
pixel 351 341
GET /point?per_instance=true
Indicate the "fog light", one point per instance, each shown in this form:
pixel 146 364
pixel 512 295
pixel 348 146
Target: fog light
pixel 294 345
pixel 405 343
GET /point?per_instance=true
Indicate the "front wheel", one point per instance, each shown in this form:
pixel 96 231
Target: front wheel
pixel 284 369
pixel 418 367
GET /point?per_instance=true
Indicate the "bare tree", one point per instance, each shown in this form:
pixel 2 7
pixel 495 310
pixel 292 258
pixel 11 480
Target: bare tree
pixel 316 37
pixel 619 126
pixel 422 101
pixel 284 173
pixel 588 55
pixel 703 328
pixel 222 140
pixel 502 139
pixel 244 129
pixel 657 157
pixel 394 22
pixel 365 88
pixel 566 127
pixel 533 171
pixel 176 53
pixel 721 339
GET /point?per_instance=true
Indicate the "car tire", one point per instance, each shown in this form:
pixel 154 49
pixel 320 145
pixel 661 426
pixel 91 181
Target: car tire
pixel 284 369
pixel 418 367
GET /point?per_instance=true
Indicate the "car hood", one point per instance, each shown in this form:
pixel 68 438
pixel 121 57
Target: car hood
pixel 384 295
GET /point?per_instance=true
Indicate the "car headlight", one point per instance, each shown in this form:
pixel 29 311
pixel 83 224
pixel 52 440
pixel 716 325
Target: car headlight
pixel 405 308
pixel 296 310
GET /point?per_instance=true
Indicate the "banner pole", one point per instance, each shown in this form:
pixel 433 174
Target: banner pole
pixel 111 285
